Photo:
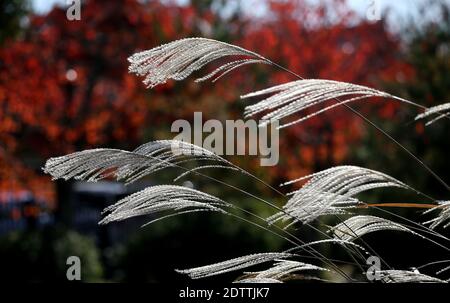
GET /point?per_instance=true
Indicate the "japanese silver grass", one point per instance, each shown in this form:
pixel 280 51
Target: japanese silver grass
pixel 258 280
pixel 283 268
pixel 331 192
pixel 442 111
pixel 405 276
pixel 226 68
pixel 162 198
pixel 444 215
pixel 341 173
pixel 328 192
pixel 232 265
pixel 300 95
pixel 358 226
pixel 308 207
pixel 178 59
pixel 95 164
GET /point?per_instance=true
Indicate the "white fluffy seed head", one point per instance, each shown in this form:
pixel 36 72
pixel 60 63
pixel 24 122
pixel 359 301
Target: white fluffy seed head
pixel 162 198
pixel 357 226
pixel 331 192
pixel 444 215
pixel 283 268
pixel 442 111
pixel 95 164
pixel 232 265
pixel 300 95
pixel 405 276
pixel 178 59
pixel 258 280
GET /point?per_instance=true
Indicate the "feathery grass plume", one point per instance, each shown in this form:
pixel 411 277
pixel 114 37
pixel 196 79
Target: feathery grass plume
pixel 357 226
pixel 258 280
pixel 95 164
pixel 161 198
pixel 443 110
pixel 305 208
pixel 444 215
pixel 232 265
pixel 282 269
pixel 331 191
pixel 406 276
pixel 297 96
pixel 178 59
pixel 174 152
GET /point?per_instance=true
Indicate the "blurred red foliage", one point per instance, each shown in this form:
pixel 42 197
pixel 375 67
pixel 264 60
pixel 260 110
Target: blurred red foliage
pixel 64 86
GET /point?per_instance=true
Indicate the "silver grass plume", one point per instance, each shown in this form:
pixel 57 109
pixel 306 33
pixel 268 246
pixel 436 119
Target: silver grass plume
pixel 302 209
pixel 232 265
pixel 270 280
pixel 175 152
pixel 443 217
pixel 258 280
pixel 405 276
pixel 95 164
pixel 283 268
pixel 162 198
pixel 358 226
pixel 178 59
pixel 442 111
pixel 331 191
pixel 296 96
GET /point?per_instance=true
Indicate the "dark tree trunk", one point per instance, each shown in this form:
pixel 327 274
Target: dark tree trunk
pixel 64 196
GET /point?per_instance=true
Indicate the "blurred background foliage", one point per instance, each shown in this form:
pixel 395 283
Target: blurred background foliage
pixel 64 86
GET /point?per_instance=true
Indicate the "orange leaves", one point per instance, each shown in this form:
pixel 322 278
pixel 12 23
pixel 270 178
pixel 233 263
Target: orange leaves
pixel 93 127
pixel 66 84
pixel 16 180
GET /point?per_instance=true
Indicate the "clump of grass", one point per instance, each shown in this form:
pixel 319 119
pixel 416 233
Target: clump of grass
pixel 331 192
